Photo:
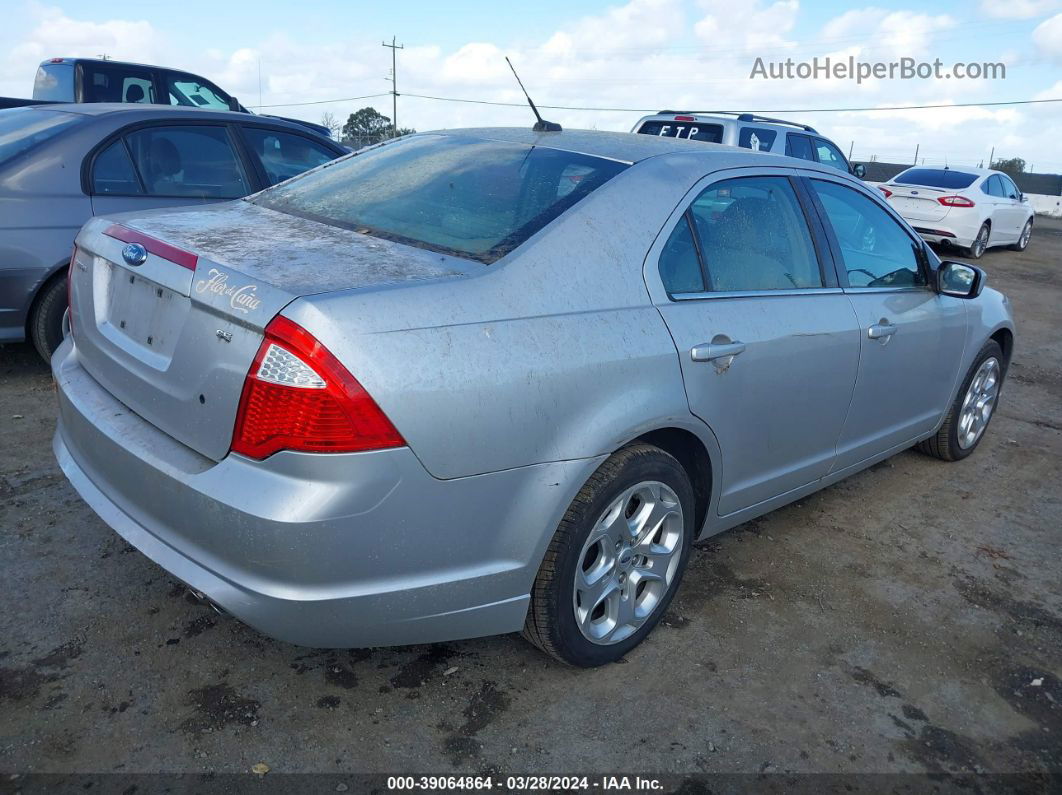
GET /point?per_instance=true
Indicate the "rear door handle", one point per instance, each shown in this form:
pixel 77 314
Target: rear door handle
pixel 709 351
pixel 881 331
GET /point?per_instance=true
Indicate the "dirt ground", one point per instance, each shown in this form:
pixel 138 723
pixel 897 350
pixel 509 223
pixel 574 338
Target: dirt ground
pixel 908 619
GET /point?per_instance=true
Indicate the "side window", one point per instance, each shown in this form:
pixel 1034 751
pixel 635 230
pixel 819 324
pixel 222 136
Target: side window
pixel 1010 190
pixel 830 155
pixel 995 186
pixel 117 84
pixel 285 155
pixel 195 92
pixel 680 267
pixel 877 252
pixel 798 146
pixel 752 235
pixel 187 161
pixel 112 172
pixel 758 139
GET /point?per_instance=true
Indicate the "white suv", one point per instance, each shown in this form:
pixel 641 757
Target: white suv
pixel 760 133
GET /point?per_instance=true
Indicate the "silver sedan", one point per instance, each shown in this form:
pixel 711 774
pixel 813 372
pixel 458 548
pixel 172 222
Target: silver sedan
pixel 482 381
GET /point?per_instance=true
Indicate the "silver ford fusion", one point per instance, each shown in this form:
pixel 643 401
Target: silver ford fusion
pixel 480 381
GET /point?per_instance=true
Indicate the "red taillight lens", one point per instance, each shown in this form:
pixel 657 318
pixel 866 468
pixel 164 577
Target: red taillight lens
pixel 298 396
pixel 955 201
pixel 685 118
pixel 886 191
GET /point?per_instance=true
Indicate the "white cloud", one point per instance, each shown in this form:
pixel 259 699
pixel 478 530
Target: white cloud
pixel 1048 37
pixel 755 28
pixel 1018 9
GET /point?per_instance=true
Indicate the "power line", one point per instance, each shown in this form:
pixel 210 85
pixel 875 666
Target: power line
pixel 783 110
pixel 320 101
pixel 657 110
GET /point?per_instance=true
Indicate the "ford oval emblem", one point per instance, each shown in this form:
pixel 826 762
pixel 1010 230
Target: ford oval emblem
pixel 134 254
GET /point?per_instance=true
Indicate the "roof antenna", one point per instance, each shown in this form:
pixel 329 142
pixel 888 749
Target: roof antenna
pixel 541 125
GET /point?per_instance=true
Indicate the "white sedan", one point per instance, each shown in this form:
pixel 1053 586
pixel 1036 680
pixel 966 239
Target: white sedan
pixel 973 208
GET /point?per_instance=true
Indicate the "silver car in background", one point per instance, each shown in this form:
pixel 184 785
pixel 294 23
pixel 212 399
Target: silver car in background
pixel 481 381
pixel 62 164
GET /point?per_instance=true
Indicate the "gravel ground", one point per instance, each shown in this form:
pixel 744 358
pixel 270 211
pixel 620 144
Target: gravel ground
pixel 908 619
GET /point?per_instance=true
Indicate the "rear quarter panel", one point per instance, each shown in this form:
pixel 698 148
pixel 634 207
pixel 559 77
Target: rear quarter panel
pixel 42 208
pixel 552 353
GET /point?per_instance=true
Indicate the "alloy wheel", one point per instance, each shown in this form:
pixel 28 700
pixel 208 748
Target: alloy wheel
pixel 628 563
pixel 979 403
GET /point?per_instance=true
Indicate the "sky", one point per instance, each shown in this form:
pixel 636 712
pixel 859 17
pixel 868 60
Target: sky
pixel 642 54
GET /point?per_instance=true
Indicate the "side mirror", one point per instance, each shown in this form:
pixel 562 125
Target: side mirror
pixel 859 170
pixel 960 280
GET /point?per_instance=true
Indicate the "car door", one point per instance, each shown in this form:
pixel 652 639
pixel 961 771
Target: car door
pixel 1013 209
pixel 767 341
pixel 911 338
pixel 166 165
pixel 282 154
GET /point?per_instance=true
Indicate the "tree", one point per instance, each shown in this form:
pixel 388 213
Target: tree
pixel 329 120
pixel 367 127
pixel 1012 166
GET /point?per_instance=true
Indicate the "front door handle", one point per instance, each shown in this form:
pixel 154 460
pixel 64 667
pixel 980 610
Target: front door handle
pixel 710 351
pixel 880 331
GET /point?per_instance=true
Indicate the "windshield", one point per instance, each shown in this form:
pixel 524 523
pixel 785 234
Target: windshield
pixel 464 196
pixel 24 128
pixel 935 178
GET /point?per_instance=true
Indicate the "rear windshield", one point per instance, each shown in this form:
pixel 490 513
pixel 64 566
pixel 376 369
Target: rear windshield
pixel 935 178
pixel 23 128
pixel 694 131
pixel 463 196
pixel 54 82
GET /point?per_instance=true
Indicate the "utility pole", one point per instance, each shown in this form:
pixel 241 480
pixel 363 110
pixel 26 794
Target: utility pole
pixel 992 157
pixel 851 146
pixel 916 155
pixel 394 83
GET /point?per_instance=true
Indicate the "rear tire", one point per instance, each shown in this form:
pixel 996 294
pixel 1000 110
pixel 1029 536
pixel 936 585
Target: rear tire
pixel 955 440
pixel 616 579
pixel 1023 241
pixel 46 318
pixel 980 243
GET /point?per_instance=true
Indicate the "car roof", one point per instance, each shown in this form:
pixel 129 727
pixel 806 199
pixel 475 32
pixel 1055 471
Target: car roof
pixel 623 146
pixel 981 172
pixel 132 112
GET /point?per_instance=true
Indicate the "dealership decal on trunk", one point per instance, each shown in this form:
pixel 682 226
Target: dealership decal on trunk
pixel 241 298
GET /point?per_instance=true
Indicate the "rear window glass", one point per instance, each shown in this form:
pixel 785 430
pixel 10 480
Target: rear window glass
pixel 23 128
pixel 935 178
pixel 464 196
pixel 709 133
pixel 54 82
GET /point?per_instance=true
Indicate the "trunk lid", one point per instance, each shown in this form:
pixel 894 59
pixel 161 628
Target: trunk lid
pixel 174 336
pixel 918 202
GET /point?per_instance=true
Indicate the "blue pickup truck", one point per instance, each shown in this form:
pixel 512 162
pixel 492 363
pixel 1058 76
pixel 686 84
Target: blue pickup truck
pixel 96 80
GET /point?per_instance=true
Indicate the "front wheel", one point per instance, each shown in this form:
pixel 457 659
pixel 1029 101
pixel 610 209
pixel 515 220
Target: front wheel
pixel 616 559
pixel 980 243
pixel 968 417
pixel 1023 241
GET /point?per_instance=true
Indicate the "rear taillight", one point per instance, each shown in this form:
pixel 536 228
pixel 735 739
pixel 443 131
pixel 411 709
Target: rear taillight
pixel 886 191
pixel 298 396
pixel 685 118
pixel 955 201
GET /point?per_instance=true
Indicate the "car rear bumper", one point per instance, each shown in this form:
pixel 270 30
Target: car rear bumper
pixel 953 229
pixel 336 550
